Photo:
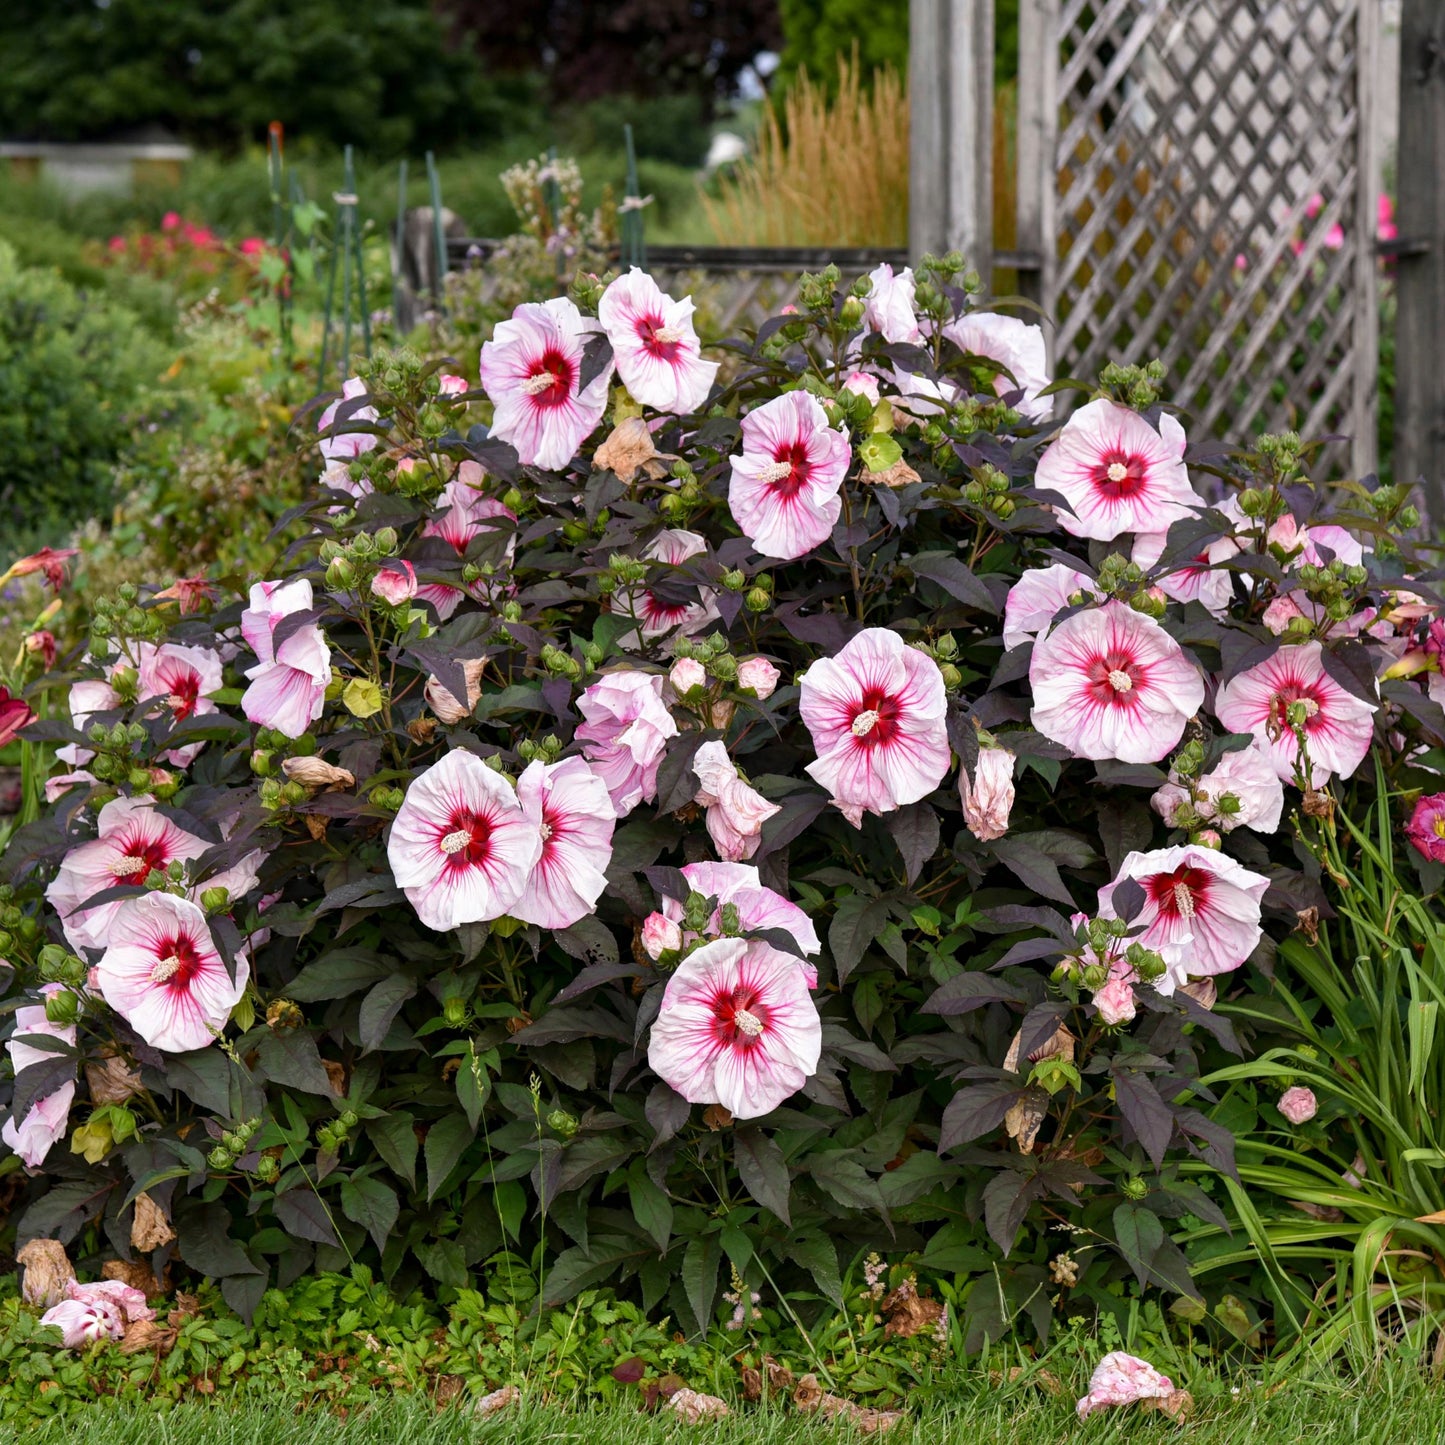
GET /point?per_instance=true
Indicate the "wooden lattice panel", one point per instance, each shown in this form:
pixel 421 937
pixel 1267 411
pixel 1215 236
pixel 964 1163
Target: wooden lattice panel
pixel 1191 141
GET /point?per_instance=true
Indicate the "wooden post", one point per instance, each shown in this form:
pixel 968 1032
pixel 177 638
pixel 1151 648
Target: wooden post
pixel 950 143
pixel 1038 138
pixel 1420 320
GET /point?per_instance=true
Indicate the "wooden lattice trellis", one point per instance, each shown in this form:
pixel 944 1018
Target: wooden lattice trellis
pixel 1173 151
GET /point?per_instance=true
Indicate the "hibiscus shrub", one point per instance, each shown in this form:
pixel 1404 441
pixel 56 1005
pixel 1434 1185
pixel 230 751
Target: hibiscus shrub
pixel 691 824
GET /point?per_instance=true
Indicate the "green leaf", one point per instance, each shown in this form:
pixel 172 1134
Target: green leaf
pixel 473 1085
pixel 651 1208
pixel 292 1060
pixel 815 1252
pixel 855 925
pixel 1139 1234
pixel 763 1170
pixel 444 1261
pixel 446 1141
pixel 511 1201
pixel 380 1007
pixel 301 1212
pixel 700 1261
pixel 370 1203
pixel 339 973
pixel 395 1140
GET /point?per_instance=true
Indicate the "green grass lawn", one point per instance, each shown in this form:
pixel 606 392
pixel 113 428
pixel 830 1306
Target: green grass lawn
pixel 1390 1411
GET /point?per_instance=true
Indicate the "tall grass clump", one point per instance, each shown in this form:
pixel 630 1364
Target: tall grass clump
pixel 824 172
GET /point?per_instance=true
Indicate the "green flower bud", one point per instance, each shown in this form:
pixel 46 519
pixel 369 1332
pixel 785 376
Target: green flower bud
pixel 758 600
pixel 219 1158
pixel 231 1141
pixel 349 1119
pixel 1094 976
pixel 362 545
pixel 386 541
pixel 513 500
pixel 62 1007
pixel 952 677
pixel 454 1011
pixel 340 575
pixel 216 900
pixel 851 313
pixel 267 1169
pixel 563 1123
pixel 724 667
pixel 731 920
pixel 511 612
pixel 1135 1187
pixel 294 794
pixel 1252 502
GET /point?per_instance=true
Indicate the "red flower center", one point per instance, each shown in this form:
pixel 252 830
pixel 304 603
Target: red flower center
pixel 558 390
pixel 138 855
pixel 657 338
pixel 1115 678
pixel 177 963
pixel 185 689
pixel 1120 475
pixel 874 718
pixel 466 840
pixel 794 457
pixel 1180 894
pixel 740 1018
pixel 1310 694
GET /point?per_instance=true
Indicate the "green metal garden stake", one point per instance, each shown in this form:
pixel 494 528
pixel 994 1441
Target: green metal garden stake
pixel 438 234
pixel 397 252
pixel 633 238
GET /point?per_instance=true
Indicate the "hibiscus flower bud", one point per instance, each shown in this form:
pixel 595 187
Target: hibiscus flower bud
pixel 454 1011
pixel 687 675
pixel 219 1158
pixel 759 600
pixel 988 797
pixel 1094 976
pixel 216 900
pixel 759 676
pixel 386 541
pixel 340 574
pixel 1298 1105
pixel 395 584
pixel 62 1007
pixel 1207 838
pixel 660 935
pixel 724 667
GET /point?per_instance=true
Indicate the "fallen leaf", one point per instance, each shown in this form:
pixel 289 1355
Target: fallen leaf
pixel 149 1227
pixel 111 1080
pixel 134 1272
pixel 1176 1404
pixel 146 1335
pixel 907 1313
pixel 448 1387
pixel 47 1271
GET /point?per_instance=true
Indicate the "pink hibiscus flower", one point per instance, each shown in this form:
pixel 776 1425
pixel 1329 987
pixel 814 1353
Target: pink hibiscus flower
pixel 737 1027
pixel 87 697
pixel 1038 597
pixel 569 805
pixel 135 837
pixel 1201 909
pixel 462 847
pixel 1298 1105
pixel 162 974
pixel 1111 683
pixel 1426 828
pixel 625 735
pixel 1117 473
pixel 658 355
pixel 82 1322
pixel 289 682
pixel 1122 1379
pixel 464 514
pixel 395 583
pixel 736 812
pixel 659 615
pixel 346 446
pixel 46 1120
pixel 876 713
pixel 182 677
pixel 1242 790
pixel 1337 724
pixel 888 308
pixel 759 908
pixel 785 485
pixel 1199 580
pixel 532 371
pixel 1016 346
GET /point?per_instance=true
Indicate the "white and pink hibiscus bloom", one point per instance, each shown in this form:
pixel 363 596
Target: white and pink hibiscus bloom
pixel 182 678
pixel 657 616
pixel 1242 790
pixel 1117 473
pixel 464 513
pixel 289 681
pixel 87 697
pixel 1121 1379
pixel 1111 683
pixel 45 1121
pixel 1016 346
pixel 1201 910
pixel 737 1027
pixel 888 308
pixel 1038 597
pixel 394 583
pixel 462 847
pixel 1338 725
pixel 346 446
pixel 83 1322
pixel 759 909
pixel 134 837
pixel 161 972
pixel 785 484
pixel 1317 544
pixel 876 715
pixel 736 811
pixel 655 345
pixel 1201 579
pixel 569 806
pixel 532 371
pixel 625 734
